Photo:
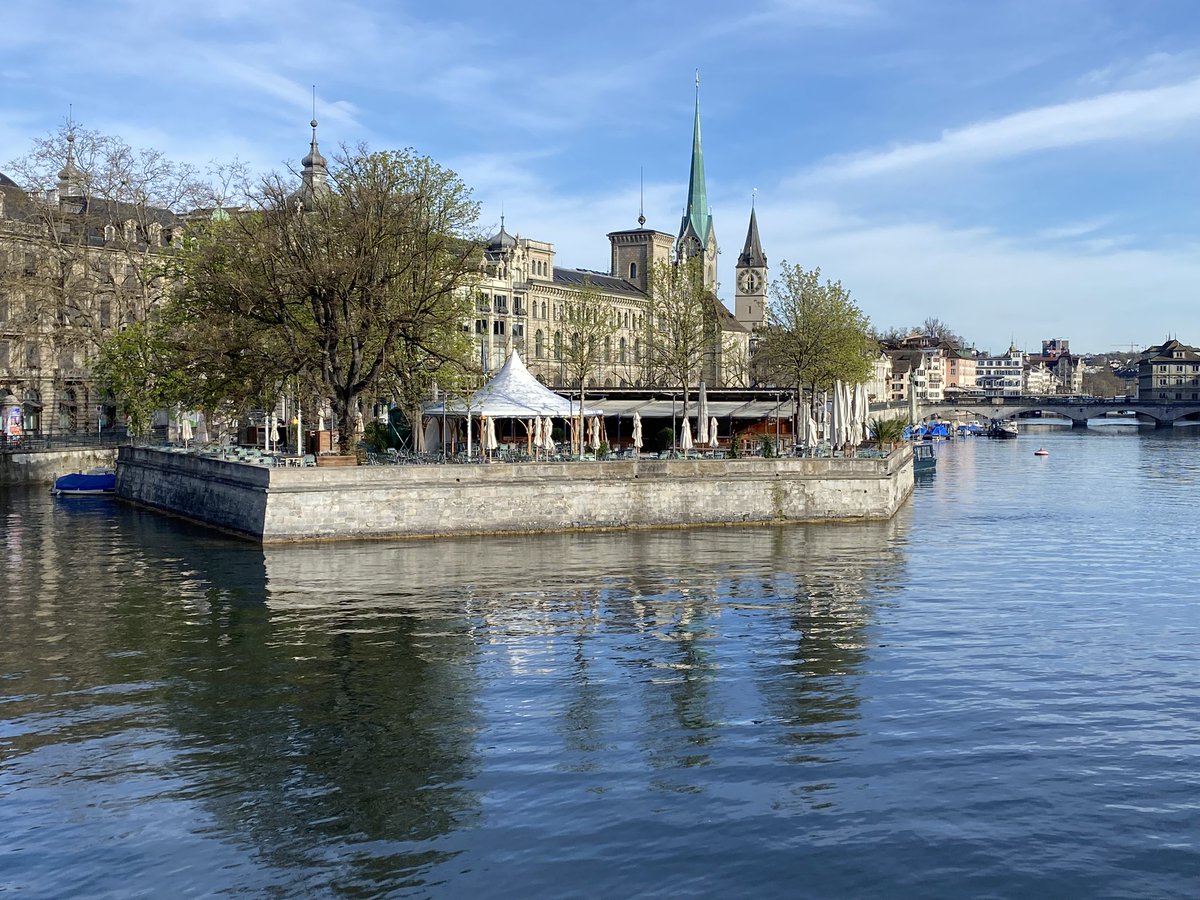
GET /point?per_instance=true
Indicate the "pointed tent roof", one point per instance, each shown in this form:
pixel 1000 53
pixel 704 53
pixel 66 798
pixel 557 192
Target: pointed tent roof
pixel 513 393
pixel 696 214
pixel 752 254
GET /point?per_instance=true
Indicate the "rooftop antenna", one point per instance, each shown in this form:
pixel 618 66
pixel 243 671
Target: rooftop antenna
pixel 642 197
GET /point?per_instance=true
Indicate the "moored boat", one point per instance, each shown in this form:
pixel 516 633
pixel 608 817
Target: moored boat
pixel 1003 429
pixel 94 481
pixel 923 459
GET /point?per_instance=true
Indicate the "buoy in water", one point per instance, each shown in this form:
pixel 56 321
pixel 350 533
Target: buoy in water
pixel 1041 451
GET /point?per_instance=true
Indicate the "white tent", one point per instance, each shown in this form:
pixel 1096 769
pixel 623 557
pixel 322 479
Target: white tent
pixel 512 393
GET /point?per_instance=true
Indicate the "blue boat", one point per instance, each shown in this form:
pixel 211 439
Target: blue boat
pixel 94 481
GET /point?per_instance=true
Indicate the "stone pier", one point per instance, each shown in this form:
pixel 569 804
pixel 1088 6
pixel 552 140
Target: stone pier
pixel 284 504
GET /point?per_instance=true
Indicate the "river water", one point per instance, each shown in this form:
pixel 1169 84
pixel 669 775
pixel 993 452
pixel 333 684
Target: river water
pixel 997 693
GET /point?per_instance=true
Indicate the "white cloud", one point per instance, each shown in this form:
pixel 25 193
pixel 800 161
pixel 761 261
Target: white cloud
pixel 1134 115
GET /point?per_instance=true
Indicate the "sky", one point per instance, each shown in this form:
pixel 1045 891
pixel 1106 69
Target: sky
pixel 1019 169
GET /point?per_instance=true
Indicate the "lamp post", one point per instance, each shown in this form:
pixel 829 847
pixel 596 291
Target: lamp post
pixel 674 429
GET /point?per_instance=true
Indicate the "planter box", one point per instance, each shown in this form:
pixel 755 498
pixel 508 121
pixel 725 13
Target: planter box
pixel 337 461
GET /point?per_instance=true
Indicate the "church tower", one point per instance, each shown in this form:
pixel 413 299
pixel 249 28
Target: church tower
pixel 750 299
pixel 696 234
pixel 314 176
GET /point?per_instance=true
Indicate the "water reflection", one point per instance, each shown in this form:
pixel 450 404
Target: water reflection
pixel 341 717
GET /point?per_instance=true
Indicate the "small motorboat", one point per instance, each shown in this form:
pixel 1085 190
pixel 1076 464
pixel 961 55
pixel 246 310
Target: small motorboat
pixel 923 459
pixel 100 480
pixel 1041 451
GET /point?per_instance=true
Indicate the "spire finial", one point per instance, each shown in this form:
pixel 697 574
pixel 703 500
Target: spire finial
pixel 642 197
pixel 753 197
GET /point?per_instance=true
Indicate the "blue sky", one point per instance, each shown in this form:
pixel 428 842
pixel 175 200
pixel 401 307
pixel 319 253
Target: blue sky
pixel 1020 170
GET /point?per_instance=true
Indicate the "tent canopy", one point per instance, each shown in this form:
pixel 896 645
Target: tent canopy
pixel 512 393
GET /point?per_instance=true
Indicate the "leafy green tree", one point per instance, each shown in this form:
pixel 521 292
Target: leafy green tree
pixel 815 334
pixel 135 365
pixel 347 289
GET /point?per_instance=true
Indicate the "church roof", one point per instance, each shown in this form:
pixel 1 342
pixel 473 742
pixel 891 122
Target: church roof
pixel 752 254
pixel 502 241
pixel 5 181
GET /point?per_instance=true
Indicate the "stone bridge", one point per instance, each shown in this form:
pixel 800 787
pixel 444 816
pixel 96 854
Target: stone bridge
pixel 1162 413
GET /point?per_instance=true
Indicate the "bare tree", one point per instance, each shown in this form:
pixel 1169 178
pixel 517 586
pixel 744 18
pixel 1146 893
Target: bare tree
pixel 680 326
pixel 590 326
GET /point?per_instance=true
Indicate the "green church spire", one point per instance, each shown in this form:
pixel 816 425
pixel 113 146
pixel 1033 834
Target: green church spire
pixel 697 214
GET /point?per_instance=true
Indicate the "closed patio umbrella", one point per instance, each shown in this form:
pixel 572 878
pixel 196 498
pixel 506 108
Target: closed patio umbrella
pixel 594 441
pixel 548 433
pixel 637 431
pixel 535 434
pixel 685 439
pixel 702 416
pixel 712 431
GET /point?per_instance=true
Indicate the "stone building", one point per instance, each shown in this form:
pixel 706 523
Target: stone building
pixel 74 267
pixel 520 303
pixel 1169 371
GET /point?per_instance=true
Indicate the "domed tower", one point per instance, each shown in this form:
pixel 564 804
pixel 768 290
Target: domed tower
pixel 314 177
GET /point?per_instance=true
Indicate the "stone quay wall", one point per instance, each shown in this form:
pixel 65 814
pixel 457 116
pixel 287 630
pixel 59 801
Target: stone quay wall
pixel 285 504
pixel 43 466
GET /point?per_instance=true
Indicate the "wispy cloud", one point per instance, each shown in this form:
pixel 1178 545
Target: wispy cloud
pixel 1133 115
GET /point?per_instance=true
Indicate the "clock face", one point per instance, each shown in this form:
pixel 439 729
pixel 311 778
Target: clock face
pixel 750 282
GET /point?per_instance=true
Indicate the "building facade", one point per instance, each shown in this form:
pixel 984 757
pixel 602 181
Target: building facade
pixel 75 266
pixel 1169 371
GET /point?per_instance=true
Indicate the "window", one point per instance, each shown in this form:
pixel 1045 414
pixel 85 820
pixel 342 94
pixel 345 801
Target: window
pixel 608 350
pixel 501 305
pixel 518 330
pixel 3 354
pixel 558 345
pixel 545 315
pixel 538 340
pixel 105 311
pixel 621 350
pixel 632 271
pixel 33 356
pixel 497 327
pixel 480 326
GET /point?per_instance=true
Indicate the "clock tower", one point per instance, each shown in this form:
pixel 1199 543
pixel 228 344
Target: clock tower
pixel 750 298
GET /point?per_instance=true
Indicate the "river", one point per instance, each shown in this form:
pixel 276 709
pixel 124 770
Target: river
pixel 993 694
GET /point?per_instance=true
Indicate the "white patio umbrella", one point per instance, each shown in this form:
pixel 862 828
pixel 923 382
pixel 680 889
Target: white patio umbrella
pixel 548 433
pixel 863 403
pixel 594 441
pixel 490 442
pixel 702 416
pixel 535 434
pixel 685 439
pixel 432 436
pixel 185 428
pixel 712 431
pixel 637 430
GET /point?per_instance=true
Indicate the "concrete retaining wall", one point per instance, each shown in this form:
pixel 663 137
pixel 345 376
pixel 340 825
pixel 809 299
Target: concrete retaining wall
pixel 44 466
pixel 275 505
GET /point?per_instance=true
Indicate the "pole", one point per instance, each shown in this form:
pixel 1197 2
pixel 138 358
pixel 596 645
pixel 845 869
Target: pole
pixel 674 428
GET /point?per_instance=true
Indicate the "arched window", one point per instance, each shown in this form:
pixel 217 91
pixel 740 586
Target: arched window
pixel 608 351
pixel 632 271
pixel 538 349
pixel 558 345
pixel 621 350
pixel 637 350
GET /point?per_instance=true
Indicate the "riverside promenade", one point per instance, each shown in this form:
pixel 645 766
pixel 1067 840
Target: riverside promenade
pixel 278 505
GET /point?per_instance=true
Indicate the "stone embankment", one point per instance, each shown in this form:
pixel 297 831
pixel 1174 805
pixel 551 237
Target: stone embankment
pixel 283 504
pixel 43 466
